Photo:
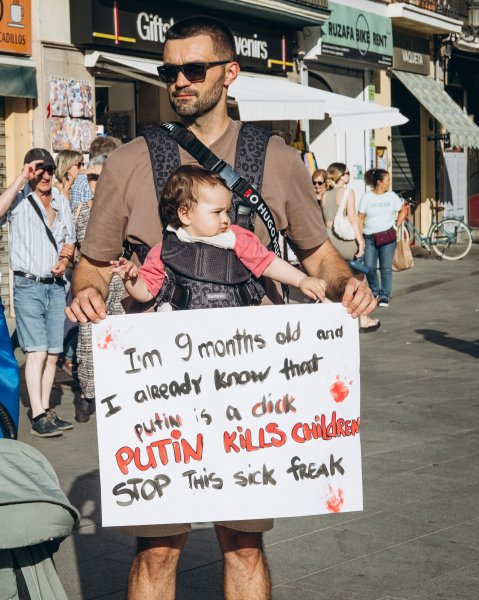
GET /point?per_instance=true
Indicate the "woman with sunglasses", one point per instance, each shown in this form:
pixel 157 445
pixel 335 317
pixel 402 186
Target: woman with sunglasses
pixel 337 179
pixel 69 164
pixel 319 183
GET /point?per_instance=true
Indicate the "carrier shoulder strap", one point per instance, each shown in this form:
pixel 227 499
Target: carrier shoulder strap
pixel 248 194
pixel 164 156
pixel 249 163
pixel 250 159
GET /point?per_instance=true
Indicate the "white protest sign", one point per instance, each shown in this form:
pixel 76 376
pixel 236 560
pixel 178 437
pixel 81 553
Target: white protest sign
pixel 231 413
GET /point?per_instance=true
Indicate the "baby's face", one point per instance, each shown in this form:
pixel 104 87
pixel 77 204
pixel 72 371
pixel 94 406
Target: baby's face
pixel 210 215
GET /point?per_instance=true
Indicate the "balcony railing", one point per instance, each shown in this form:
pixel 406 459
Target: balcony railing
pixel 457 9
pixel 319 4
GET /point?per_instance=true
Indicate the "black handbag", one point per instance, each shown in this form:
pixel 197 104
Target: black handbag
pixel 381 238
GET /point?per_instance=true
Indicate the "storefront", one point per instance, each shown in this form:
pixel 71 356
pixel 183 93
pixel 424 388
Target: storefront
pixel 462 84
pixel 18 89
pixel 411 55
pixel 354 49
pixel 432 151
pixel 121 45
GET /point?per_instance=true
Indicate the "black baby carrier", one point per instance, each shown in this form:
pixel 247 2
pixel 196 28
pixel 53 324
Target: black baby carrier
pixel 200 275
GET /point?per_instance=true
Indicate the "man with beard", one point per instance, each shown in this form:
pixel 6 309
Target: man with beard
pixel 199 66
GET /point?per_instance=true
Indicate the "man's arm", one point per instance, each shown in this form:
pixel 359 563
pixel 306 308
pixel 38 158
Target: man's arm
pixel 91 280
pixel 361 219
pixel 325 263
pixel 9 195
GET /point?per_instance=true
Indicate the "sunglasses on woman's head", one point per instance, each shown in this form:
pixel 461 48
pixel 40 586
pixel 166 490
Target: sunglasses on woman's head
pixel 193 72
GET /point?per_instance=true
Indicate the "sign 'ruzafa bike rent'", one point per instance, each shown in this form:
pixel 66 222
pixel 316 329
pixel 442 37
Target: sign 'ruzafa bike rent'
pixel 229 413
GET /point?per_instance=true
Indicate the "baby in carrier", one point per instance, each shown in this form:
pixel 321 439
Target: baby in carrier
pixel 204 261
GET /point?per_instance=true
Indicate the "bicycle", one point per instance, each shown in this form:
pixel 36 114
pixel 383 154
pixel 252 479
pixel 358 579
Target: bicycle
pixel 450 238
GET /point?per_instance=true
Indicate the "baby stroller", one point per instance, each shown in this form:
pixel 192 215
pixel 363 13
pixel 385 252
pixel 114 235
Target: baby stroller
pixel 35 516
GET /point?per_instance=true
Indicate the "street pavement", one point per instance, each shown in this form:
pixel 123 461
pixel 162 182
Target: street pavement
pixel 417 537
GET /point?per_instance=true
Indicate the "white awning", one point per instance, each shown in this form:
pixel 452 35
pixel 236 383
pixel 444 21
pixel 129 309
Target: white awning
pixel 269 98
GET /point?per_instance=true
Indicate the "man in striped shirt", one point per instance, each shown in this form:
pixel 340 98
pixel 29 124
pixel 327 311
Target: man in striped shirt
pixel 41 245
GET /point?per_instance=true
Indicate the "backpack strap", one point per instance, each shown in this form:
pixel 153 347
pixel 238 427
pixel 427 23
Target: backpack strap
pixel 164 158
pixel 249 163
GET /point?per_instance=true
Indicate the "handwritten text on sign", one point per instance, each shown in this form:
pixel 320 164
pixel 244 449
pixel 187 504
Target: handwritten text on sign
pixel 222 414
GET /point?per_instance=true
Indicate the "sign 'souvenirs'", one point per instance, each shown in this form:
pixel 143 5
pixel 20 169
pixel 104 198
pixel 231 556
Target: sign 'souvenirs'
pixel 224 414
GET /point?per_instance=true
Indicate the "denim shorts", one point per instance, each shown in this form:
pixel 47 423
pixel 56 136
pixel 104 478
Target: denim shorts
pixel 39 313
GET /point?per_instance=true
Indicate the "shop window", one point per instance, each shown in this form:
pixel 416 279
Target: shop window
pixel 115 109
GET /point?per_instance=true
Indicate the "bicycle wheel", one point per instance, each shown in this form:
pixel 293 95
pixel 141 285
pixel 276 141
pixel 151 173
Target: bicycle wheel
pixel 451 239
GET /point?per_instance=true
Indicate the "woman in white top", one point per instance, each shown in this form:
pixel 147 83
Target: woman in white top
pixel 380 210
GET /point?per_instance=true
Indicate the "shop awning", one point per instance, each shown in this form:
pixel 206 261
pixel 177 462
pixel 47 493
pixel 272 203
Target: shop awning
pixel 463 131
pixel 269 98
pixel 18 78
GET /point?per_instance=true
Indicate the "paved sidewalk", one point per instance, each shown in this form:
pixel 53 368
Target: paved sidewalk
pixel 417 538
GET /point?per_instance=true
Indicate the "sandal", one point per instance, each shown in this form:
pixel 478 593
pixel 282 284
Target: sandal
pixel 369 325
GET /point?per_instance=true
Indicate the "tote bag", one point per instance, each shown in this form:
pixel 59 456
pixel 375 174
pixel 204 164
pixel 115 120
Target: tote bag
pixel 403 258
pixel 342 225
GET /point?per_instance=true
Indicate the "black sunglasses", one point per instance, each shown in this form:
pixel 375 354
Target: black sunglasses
pixel 318 182
pixel 346 173
pixel 193 72
pixel 49 169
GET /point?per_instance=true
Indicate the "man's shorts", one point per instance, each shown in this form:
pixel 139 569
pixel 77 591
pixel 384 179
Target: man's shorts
pixel 252 526
pixel 39 313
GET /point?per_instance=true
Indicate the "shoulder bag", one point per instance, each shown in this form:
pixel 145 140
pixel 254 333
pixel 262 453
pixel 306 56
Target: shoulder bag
pixel 381 238
pixel 342 225
pixel 36 208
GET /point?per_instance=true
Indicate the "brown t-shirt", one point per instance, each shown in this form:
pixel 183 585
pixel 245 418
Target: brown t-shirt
pixel 126 205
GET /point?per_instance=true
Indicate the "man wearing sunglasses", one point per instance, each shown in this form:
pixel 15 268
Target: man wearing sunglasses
pixel 199 67
pixel 40 246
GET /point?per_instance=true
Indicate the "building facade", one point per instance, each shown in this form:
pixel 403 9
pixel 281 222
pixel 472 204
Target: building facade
pixel 18 92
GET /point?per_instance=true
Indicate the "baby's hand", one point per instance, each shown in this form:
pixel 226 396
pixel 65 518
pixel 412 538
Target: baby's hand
pixel 124 268
pixel 313 287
